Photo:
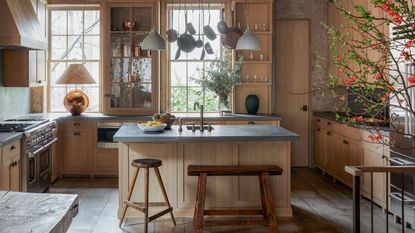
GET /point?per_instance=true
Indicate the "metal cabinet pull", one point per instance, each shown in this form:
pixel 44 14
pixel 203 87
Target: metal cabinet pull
pixel 76 124
pixel 77 134
pixel 345 142
pixel 12 147
pixel 328 133
pixel 251 123
pixel 318 129
pixel 328 123
pixel 318 120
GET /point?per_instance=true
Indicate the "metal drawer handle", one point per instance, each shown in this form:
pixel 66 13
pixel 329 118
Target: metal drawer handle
pixel 328 133
pixel 77 134
pixel 345 142
pixel 12 147
pixel 406 200
pixel 318 129
pixel 251 123
pixel 76 124
pixel 328 123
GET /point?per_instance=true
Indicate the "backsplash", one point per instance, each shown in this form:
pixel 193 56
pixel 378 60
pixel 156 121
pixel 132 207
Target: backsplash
pixel 13 101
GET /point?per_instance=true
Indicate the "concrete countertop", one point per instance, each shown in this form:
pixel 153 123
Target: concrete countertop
pixel 185 116
pixel 132 133
pixel 6 138
pixel 332 117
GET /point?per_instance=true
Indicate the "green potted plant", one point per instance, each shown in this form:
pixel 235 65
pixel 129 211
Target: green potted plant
pixel 220 77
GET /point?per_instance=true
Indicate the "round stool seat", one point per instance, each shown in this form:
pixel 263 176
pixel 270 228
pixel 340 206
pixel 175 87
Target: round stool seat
pixel 146 163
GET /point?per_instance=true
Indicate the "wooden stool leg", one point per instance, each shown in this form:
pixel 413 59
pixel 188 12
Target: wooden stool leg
pixel 146 178
pixel 263 200
pixel 130 192
pixel 273 226
pixel 200 204
pixel 163 190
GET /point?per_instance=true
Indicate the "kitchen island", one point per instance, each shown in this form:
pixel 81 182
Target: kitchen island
pixel 224 145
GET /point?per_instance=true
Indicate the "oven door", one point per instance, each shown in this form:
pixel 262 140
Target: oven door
pixel 405 182
pixel 105 134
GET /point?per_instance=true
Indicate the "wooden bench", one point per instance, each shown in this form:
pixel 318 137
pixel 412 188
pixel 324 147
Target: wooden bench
pixel 268 211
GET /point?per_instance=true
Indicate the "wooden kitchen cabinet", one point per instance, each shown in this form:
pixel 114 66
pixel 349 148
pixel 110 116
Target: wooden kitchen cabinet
pixel 348 153
pixel 105 162
pixel 11 167
pixel 319 147
pixel 375 155
pixel 77 153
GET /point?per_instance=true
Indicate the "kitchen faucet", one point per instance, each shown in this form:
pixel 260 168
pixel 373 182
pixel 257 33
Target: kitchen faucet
pixel 200 106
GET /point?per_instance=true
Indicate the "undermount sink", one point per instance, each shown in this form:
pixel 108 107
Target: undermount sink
pixel 197 127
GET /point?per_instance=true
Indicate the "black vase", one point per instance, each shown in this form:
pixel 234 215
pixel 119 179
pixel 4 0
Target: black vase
pixel 252 104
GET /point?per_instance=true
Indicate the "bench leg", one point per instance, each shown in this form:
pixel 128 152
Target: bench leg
pixel 272 219
pixel 197 199
pixel 130 192
pixel 146 178
pixel 263 200
pixel 163 190
pixel 200 204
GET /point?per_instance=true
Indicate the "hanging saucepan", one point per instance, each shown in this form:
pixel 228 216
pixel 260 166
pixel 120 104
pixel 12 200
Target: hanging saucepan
pixel 199 42
pixel 230 40
pixel 222 26
pixel 186 42
pixel 189 25
pixel 171 33
pixel 207 29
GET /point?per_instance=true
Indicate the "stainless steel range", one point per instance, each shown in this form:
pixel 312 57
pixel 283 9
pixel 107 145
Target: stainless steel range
pixel 39 136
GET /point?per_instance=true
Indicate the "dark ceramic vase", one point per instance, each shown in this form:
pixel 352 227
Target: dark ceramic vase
pixel 252 104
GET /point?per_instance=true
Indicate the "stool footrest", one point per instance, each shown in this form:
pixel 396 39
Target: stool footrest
pixel 234 212
pixel 158 215
pixel 141 205
pixel 233 222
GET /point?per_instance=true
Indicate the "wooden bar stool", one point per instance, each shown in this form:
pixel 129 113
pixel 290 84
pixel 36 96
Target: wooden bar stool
pixel 262 171
pixel 146 164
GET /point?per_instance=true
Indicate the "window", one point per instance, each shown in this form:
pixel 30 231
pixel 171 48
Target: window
pixel 74 38
pixel 186 70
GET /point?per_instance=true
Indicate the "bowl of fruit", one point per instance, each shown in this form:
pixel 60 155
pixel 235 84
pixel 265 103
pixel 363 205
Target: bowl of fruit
pixel 165 118
pixel 152 126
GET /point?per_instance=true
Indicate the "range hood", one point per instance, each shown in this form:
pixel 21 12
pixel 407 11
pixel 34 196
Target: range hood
pixel 19 26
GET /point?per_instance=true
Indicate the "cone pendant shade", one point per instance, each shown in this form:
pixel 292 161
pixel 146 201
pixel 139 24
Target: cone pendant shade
pixel 153 41
pixel 248 41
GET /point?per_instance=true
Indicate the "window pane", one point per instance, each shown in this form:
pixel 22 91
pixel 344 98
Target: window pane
pixel 93 68
pixel 93 95
pixel 56 99
pixel 211 101
pixel 57 69
pixel 194 70
pixel 195 95
pixel 73 43
pixel 75 48
pixel 58 22
pixel 58 47
pixel 178 74
pixel 75 22
pixel 178 99
pixel 92 22
pixel 92 47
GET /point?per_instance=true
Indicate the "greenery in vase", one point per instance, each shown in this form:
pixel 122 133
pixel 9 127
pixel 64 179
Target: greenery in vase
pixel 220 77
pixel 369 59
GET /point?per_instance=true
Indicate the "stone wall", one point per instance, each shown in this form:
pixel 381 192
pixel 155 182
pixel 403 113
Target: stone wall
pixel 317 12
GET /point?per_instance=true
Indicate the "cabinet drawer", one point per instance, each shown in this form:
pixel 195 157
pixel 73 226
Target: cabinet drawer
pixel 11 150
pixel 79 126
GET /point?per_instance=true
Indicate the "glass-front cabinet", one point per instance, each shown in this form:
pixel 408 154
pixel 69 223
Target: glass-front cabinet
pixel 131 78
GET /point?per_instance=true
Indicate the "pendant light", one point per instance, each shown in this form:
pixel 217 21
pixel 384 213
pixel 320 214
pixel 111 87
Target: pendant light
pixel 248 41
pixel 153 41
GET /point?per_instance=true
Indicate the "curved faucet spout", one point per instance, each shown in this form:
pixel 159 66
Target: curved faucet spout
pixel 200 106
